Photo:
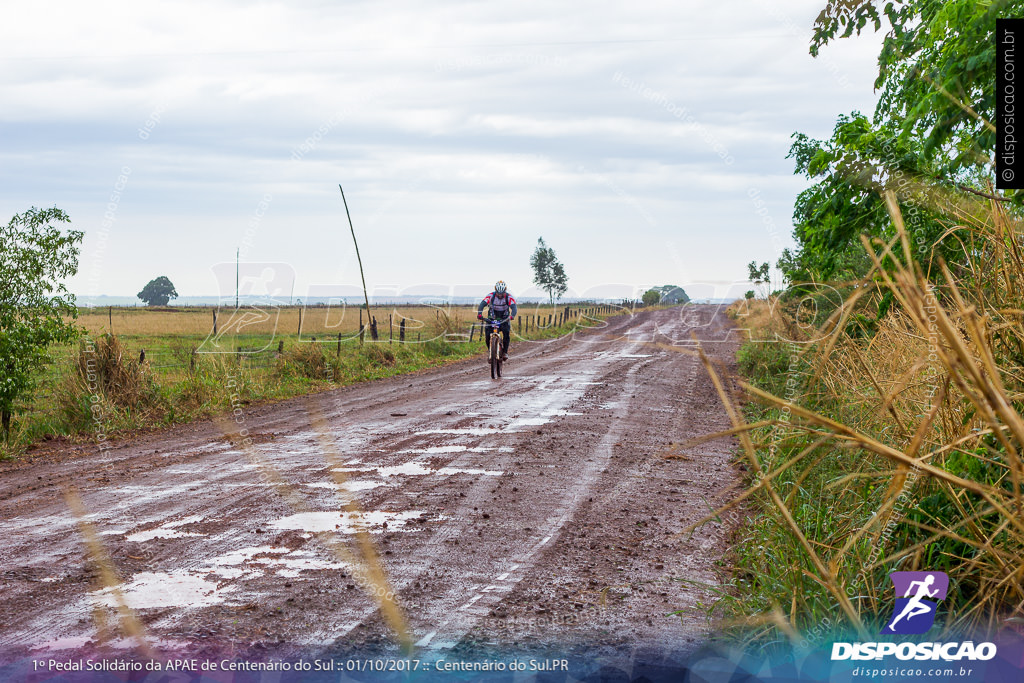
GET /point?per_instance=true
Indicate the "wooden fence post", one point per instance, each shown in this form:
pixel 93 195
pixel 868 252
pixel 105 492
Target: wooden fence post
pixel 391 330
pixel 299 331
pixel 110 318
pixel 361 330
pixel 373 327
pixel 215 322
pixel 472 329
pixel 520 324
pixel 339 345
pixel 280 347
pixel 401 332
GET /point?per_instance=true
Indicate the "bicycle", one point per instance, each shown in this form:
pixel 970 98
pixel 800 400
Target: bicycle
pixel 494 346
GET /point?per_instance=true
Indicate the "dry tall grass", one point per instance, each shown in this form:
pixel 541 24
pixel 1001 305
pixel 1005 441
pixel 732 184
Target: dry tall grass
pixel 316 321
pixel 901 450
pixel 108 380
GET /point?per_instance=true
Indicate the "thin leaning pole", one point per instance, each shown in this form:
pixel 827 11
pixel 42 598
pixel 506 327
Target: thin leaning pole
pixel 358 258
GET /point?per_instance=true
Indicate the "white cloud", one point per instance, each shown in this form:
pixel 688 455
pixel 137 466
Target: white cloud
pixel 444 121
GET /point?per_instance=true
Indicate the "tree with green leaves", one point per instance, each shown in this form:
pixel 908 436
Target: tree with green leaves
pixel 651 297
pixel 548 272
pixel 759 275
pixel 158 292
pixel 931 134
pixel 936 71
pixel 672 294
pixel 36 309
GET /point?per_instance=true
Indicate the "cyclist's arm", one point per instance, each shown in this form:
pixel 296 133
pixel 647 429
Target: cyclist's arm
pixel 513 310
pixel 480 308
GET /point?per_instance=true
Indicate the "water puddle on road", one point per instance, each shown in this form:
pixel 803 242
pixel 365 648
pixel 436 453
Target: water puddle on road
pixel 244 563
pixel 349 486
pixel 166 530
pixel 162 589
pixel 449 449
pixel 133 495
pixel 448 471
pixel 471 431
pixel 242 555
pixel 528 422
pixel 409 469
pixel 375 522
pixel 296 563
pixel 417 469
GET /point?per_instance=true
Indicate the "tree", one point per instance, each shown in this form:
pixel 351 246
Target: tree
pixel 651 297
pixel 936 71
pixel 672 294
pixel 759 274
pixel 548 273
pixel 36 309
pixel 930 134
pixel 158 292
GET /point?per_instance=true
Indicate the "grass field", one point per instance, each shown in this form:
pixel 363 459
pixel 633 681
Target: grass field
pixel 324 320
pixel 164 365
pixel 169 335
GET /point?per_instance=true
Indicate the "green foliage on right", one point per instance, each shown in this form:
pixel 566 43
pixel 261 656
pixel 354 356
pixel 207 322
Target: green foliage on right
pixel 936 71
pixel 929 134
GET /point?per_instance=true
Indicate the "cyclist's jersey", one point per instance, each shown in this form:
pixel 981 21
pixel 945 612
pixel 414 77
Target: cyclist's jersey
pixel 501 307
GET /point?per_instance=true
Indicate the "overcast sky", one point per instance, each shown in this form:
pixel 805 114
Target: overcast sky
pixel 630 135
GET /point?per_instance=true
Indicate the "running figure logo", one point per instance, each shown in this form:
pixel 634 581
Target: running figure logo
pixel 914 612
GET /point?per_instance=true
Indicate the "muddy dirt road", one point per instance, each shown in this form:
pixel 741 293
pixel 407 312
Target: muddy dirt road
pixel 534 511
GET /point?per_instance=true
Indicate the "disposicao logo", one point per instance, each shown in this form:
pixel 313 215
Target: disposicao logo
pixel 917 597
pixel 915 611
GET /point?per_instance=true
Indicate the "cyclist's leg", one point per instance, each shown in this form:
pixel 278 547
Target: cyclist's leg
pixel 506 329
pixel 486 334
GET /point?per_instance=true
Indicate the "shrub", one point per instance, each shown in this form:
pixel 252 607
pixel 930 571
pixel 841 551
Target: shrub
pixel 106 380
pixel 307 360
pixel 379 354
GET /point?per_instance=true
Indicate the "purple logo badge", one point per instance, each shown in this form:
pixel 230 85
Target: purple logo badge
pixel 917 597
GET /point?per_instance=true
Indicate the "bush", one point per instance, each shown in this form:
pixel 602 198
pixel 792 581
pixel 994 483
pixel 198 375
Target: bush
pixel 307 360
pixel 379 354
pixel 107 381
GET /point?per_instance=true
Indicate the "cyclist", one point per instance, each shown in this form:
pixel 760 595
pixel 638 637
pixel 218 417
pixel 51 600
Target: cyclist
pixel 502 307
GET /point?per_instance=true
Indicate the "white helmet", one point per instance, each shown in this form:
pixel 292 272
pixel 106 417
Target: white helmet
pixel 499 287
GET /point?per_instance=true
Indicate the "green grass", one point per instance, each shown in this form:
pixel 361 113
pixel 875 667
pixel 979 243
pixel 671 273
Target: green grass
pixel 178 385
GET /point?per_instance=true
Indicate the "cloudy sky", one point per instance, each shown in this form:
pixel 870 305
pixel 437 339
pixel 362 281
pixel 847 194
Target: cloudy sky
pixel 644 140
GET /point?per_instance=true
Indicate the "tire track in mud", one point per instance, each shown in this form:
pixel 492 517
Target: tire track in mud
pixel 486 499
